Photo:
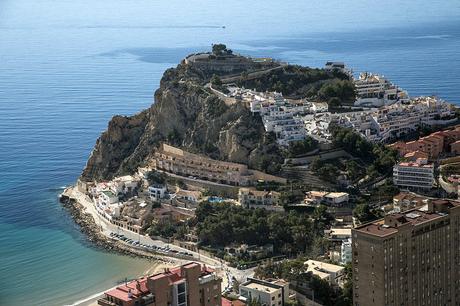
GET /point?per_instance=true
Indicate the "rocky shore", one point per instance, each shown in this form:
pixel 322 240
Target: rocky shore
pixel 93 233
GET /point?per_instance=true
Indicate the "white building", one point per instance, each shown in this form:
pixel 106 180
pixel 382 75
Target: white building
pixel 268 293
pixel 108 205
pixel 339 234
pixel 333 274
pixel 393 121
pixel 279 115
pixel 413 175
pixel 340 66
pixel 317 126
pixel 189 195
pixel 336 198
pixel 324 197
pixel 319 107
pixel 345 252
pixel 157 192
pixel 107 197
pixel 376 90
pixel 124 184
pixel 396 120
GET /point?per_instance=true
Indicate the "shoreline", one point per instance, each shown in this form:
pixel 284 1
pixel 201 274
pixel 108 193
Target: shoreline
pixel 96 228
pixel 91 300
pixel 94 234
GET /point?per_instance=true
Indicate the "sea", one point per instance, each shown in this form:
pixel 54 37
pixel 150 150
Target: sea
pixel 68 66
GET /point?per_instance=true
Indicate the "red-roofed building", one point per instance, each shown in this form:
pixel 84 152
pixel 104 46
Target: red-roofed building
pixel 433 144
pixel 188 285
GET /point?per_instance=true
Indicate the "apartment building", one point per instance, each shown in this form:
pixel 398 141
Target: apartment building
pixel 413 175
pixel 279 115
pixel 434 144
pixel 415 155
pixel 267 292
pixel 183 163
pixel 409 258
pixel 406 200
pixel 188 285
pixel 346 251
pixel 157 192
pixel 376 90
pixel 252 198
pixel 393 121
pixel 336 234
pixel 324 197
pixel 333 274
pixel 317 126
pixel 285 121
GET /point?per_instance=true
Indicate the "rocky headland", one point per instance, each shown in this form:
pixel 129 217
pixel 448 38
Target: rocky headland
pixel 187 114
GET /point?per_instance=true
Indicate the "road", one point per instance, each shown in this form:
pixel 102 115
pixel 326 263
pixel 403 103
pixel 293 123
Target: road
pixel 107 228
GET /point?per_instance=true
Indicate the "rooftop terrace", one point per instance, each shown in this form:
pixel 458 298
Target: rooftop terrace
pixel 434 210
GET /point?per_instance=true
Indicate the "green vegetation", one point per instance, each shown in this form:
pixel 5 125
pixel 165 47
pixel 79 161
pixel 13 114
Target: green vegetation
pixel 155 177
pixel 380 158
pixel 220 225
pixel 166 229
pixel 296 81
pixel 364 213
pixel 295 271
pixel 220 49
pixel 174 137
pixel 267 157
pixel 450 169
pixel 301 147
pixel 216 81
pixel 330 170
pixel 337 91
pixel 325 170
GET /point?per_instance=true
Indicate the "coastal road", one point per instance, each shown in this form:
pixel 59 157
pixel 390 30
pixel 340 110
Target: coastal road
pixel 107 227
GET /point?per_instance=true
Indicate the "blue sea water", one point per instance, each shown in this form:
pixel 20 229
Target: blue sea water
pixel 66 67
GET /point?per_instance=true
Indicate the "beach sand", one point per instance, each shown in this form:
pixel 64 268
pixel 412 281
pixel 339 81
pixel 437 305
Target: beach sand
pixel 156 267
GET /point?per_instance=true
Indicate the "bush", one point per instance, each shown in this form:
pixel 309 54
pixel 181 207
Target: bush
pixel 301 147
pixel 221 225
pixel 154 177
pixel 381 158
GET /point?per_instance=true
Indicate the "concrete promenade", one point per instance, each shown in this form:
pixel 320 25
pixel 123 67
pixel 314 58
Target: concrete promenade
pixel 106 228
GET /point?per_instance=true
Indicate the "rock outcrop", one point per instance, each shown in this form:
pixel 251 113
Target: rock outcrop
pixel 188 115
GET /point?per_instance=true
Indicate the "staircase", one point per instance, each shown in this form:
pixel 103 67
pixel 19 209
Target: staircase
pixel 301 173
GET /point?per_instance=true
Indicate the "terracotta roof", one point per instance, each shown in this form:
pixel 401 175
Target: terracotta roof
pixel 416 154
pixel 415 165
pixel 137 288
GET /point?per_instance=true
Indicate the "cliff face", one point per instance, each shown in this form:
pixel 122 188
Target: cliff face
pixel 187 115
